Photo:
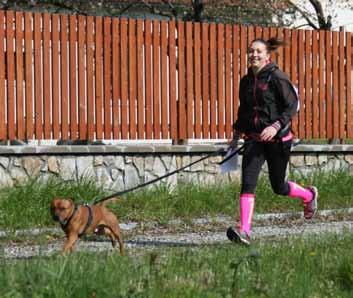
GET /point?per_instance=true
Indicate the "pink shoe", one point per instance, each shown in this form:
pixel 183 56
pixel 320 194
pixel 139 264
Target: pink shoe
pixel 311 207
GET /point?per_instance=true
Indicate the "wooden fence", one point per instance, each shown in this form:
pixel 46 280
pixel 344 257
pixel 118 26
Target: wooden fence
pixel 77 77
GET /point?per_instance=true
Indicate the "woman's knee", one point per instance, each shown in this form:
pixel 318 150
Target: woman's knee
pixel 281 189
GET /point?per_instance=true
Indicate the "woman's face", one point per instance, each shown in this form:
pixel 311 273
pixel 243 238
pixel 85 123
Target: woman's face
pixel 258 56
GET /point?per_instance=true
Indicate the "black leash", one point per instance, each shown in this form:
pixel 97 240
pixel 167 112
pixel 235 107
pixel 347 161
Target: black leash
pixel 119 193
pixel 222 150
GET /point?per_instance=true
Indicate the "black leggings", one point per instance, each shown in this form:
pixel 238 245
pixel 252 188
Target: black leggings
pixel 276 154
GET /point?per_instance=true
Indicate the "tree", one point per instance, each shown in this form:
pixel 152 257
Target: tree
pixel 317 14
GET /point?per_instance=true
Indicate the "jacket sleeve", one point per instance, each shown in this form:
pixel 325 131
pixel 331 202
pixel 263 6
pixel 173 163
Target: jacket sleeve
pixel 288 100
pixel 237 125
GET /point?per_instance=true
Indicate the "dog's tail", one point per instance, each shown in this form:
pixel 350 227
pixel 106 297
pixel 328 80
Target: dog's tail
pixel 105 202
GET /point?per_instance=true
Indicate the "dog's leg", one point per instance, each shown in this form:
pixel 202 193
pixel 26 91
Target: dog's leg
pixel 109 233
pixel 69 243
pixel 117 234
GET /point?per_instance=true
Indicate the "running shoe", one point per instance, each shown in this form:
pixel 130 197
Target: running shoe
pixel 237 236
pixel 311 207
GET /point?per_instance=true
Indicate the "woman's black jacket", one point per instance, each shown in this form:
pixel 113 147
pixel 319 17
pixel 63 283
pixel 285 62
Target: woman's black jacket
pixel 264 99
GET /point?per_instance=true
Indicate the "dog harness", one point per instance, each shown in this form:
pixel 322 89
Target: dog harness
pixel 89 221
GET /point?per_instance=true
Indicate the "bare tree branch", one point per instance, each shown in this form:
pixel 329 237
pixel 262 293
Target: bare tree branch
pixel 304 14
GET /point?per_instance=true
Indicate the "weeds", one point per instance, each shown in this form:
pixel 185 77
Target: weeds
pixel 27 205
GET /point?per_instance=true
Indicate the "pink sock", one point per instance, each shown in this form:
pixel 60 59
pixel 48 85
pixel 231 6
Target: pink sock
pixel 297 191
pixel 247 201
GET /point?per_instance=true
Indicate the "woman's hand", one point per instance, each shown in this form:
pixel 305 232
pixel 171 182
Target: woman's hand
pixel 268 133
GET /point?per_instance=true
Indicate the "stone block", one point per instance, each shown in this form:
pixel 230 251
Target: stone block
pixel 85 167
pixel 53 165
pixel 32 166
pixel 68 168
pixel 5 162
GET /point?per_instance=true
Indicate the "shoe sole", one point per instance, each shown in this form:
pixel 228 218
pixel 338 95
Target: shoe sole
pixel 235 237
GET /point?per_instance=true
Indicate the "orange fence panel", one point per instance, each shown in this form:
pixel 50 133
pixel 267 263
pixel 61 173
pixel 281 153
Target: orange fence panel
pixel 78 77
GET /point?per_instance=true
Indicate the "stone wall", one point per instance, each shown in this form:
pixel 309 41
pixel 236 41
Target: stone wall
pixel 123 166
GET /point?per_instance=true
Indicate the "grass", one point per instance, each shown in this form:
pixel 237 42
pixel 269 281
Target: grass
pixel 291 268
pixel 27 205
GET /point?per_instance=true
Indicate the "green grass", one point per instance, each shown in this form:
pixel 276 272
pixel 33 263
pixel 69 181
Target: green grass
pixel 289 268
pixel 27 205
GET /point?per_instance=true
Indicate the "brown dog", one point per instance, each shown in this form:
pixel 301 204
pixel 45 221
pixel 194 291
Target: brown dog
pixel 77 220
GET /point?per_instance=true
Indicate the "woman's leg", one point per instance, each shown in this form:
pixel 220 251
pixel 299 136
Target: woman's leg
pixel 253 159
pixel 277 156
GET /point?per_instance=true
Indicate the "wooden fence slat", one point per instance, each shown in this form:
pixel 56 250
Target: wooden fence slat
pixel 348 52
pixel 328 52
pixel 164 80
pixel 64 70
pixel 251 34
pixel 10 71
pixel 301 84
pixel 172 82
pixel 82 103
pixel 314 83
pixel 28 75
pixel 107 77
pixel 55 76
pixel 280 50
pixel 148 79
pixel 140 85
pixel 322 110
pixel 132 79
pixel 335 90
pixel 258 32
pixel 274 54
pixel 220 79
pixel 116 77
pixel 156 79
pixel 90 77
pixel 19 77
pixel 73 78
pixel 342 83
pixel 205 79
pixel 308 83
pixel 47 100
pixel 294 73
pixel 213 81
pixel 10 75
pixel 243 51
pixel 189 81
pixel 38 95
pixel 266 33
pixel 236 55
pixel 124 78
pixel 3 134
pixel 181 80
pixel 228 82
pixel 286 52
pixel 99 77
pixel 197 79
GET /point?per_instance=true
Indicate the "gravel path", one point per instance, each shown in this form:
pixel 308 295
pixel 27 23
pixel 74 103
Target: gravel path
pixel 197 233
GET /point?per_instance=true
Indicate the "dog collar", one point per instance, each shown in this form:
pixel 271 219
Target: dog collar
pixel 66 223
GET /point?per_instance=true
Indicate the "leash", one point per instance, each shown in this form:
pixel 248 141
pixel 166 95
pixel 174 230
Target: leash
pixel 119 193
pixel 222 150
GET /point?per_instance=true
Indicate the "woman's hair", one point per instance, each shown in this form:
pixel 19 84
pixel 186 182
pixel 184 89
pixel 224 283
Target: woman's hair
pixel 272 44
